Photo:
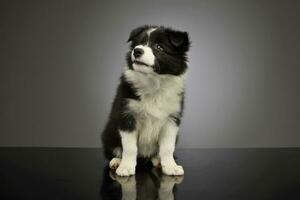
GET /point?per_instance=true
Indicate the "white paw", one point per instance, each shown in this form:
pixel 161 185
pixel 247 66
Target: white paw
pixel 125 170
pixel 114 163
pixel 155 162
pixel 173 169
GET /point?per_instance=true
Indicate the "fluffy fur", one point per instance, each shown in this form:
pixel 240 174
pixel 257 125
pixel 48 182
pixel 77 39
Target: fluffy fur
pixel 148 106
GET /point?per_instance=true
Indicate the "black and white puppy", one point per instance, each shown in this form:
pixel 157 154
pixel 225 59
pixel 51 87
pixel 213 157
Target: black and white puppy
pixel 147 109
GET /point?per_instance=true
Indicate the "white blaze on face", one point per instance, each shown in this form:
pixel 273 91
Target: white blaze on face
pixel 149 33
pixel 147 57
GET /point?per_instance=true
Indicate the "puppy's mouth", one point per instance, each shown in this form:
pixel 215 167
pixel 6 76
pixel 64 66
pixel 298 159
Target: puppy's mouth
pixel 140 63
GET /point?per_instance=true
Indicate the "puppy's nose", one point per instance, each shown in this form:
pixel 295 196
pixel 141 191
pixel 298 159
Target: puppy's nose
pixel 137 52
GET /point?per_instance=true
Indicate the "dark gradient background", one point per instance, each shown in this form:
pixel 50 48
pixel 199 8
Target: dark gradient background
pixel 60 62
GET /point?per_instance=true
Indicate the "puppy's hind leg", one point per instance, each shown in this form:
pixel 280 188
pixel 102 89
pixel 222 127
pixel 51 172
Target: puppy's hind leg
pixel 156 161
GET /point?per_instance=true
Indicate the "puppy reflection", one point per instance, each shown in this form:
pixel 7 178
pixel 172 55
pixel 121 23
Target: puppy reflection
pixel 148 183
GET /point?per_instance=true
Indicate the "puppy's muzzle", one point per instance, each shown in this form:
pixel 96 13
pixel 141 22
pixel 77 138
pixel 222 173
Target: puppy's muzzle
pixel 138 52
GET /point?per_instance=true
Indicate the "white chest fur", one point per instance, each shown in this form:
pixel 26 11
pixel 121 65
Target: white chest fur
pixel 160 96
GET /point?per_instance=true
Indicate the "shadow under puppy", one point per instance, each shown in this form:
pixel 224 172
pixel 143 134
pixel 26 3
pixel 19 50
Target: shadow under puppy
pixel 148 106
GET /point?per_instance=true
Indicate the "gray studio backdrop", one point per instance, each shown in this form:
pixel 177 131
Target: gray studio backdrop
pixel 61 60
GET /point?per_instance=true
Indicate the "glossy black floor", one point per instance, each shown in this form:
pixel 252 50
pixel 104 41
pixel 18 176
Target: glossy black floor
pixel 74 173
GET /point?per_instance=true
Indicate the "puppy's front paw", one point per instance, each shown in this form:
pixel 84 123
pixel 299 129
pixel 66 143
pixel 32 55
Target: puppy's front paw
pixel 125 170
pixel 172 169
pixel 114 163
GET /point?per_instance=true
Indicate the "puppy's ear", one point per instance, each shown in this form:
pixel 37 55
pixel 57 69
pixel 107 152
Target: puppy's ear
pixel 135 32
pixel 179 40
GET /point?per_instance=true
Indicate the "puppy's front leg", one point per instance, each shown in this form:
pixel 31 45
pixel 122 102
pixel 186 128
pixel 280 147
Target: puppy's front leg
pixel 167 142
pixel 129 153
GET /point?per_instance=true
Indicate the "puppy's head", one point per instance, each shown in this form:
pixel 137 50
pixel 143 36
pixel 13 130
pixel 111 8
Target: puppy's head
pixel 156 49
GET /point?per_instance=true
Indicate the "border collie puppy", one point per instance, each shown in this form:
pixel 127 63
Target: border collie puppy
pixel 147 109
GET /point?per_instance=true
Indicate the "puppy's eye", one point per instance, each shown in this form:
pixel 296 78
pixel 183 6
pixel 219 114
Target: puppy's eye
pixel 158 47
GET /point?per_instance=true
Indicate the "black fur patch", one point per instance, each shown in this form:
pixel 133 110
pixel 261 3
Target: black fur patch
pixel 127 122
pixel 127 90
pixel 176 119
